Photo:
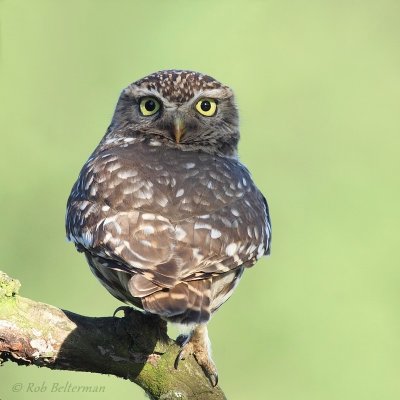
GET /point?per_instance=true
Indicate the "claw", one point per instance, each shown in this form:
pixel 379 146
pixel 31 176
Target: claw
pixel 125 309
pixel 213 379
pixel 178 358
pixel 197 344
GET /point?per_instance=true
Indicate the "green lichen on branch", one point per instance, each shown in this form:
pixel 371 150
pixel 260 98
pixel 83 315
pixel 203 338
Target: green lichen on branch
pixel 134 347
pixel 9 287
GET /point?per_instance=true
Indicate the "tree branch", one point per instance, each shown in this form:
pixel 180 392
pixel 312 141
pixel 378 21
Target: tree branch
pixel 134 347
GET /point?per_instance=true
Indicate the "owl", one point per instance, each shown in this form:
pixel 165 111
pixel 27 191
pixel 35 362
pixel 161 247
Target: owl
pixel 165 213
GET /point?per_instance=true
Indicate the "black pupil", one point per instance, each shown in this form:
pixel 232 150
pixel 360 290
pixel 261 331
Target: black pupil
pixel 205 105
pixel 150 105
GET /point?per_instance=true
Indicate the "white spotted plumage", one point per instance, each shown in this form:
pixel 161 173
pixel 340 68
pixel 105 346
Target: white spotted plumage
pixel 169 224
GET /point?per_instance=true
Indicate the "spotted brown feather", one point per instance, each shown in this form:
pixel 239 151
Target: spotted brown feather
pixel 169 225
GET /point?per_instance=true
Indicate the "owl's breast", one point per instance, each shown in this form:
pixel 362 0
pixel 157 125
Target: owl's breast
pixel 172 215
pixel 172 183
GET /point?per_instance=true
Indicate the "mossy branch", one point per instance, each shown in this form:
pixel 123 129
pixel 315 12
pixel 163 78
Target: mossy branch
pixel 134 347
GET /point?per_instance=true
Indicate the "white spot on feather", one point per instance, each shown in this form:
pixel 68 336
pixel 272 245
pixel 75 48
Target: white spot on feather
pixel 180 233
pixel 162 201
pixel 108 220
pixel 87 239
pixel 89 182
pixel 129 189
pixel 161 218
pixel 145 195
pixel 251 249
pixel 93 190
pixel 127 174
pixel 256 233
pixel 197 256
pixel 215 233
pixel 148 229
pixel 119 249
pixel 113 166
pixel 260 251
pixel 231 249
pixel 83 205
pixel 149 217
pixel 118 228
pixel 235 212
pixel 179 193
pixel 202 225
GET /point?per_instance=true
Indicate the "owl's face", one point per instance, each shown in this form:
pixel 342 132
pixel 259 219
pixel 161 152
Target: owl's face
pixel 182 109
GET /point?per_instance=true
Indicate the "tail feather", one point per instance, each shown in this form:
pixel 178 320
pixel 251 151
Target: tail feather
pixel 187 302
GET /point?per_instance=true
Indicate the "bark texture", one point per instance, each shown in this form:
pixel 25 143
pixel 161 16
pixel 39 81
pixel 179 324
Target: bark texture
pixel 134 347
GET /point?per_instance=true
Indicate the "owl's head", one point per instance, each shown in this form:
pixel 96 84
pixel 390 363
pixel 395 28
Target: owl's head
pixel 182 109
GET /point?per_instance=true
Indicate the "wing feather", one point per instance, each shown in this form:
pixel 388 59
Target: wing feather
pixel 173 231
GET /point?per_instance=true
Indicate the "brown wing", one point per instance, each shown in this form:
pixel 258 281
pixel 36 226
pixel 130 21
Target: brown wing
pixel 172 220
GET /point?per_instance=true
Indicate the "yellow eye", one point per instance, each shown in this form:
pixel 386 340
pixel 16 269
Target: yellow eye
pixel 149 106
pixel 206 107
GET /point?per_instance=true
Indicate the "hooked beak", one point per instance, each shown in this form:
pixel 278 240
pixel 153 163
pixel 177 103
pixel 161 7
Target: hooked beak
pixel 179 129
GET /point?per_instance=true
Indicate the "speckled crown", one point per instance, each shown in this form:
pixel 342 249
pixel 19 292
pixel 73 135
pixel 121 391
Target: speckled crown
pixel 176 85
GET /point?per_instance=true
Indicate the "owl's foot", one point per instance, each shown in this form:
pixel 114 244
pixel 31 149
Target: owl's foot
pixel 198 345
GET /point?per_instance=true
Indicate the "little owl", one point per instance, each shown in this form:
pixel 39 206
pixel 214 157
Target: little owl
pixel 167 216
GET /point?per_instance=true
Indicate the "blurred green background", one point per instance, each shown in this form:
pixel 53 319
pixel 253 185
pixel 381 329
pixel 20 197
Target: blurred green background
pixel 318 86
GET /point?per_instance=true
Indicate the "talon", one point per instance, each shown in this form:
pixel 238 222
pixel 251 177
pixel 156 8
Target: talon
pixel 177 359
pixel 125 309
pixel 186 350
pixel 213 379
